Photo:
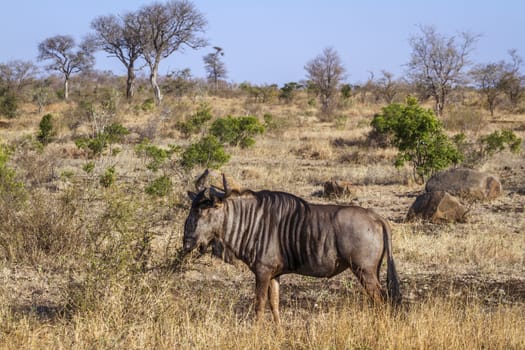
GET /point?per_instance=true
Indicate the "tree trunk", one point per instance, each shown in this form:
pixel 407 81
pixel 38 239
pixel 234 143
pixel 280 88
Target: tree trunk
pixel 130 83
pixel 66 88
pixel 440 103
pixel 156 88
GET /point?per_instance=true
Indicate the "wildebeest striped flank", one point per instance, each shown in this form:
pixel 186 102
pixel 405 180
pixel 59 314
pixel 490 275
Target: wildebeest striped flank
pixel 276 233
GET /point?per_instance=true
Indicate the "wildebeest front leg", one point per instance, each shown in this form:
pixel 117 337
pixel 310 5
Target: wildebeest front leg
pixel 262 285
pixel 274 299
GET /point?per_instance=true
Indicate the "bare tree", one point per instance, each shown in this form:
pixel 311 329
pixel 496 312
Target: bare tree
pixel 387 88
pixel 488 79
pixel 17 74
pixel 437 62
pixel 166 28
pixel 214 66
pixel 119 37
pixel 325 73
pixel 513 81
pixel 60 50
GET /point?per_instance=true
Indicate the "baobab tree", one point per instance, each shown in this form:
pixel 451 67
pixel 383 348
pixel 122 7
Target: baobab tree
pixel 60 50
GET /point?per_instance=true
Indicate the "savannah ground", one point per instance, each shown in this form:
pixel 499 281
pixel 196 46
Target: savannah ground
pixel 88 267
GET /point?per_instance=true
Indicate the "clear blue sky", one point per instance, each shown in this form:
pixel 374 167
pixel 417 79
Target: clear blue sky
pixel 270 41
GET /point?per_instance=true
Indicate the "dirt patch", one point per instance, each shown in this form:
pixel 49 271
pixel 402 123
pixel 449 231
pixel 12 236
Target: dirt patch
pixel 31 291
pixel 466 288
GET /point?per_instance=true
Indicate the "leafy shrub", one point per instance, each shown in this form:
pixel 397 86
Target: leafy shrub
pixel 115 133
pixel 195 123
pixel 96 145
pixel 89 167
pixel 159 187
pixel 498 141
pixel 288 91
pixel 112 134
pixel 46 129
pixel 419 137
pixel 155 154
pixel 108 178
pixel 8 105
pixel 208 153
pixel 148 105
pixel 11 190
pixel 237 131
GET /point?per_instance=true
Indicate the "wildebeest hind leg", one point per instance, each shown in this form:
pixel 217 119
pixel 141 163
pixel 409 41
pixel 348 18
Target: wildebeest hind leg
pixel 371 284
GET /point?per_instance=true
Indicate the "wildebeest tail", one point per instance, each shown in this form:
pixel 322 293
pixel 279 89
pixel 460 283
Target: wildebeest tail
pixel 392 279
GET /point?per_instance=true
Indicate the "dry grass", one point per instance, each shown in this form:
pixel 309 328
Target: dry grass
pixel 203 315
pixel 463 284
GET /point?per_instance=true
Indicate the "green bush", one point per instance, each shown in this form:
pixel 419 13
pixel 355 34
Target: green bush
pixel 113 133
pixel 11 190
pixel 157 156
pixel 89 167
pixel 45 133
pixel 108 178
pixel 237 131
pixel 208 153
pixel 148 105
pixel 498 141
pixel 9 105
pixel 418 135
pixel 195 123
pixel 159 187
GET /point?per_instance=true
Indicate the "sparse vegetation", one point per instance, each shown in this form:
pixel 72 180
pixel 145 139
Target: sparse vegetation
pixel 92 223
pixel 95 260
pixel 196 123
pixel 96 145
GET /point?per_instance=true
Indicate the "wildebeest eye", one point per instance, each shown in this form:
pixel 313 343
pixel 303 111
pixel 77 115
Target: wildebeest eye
pixel 206 204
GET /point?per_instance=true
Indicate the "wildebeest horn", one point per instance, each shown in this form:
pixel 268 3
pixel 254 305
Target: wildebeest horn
pixel 227 189
pixel 201 181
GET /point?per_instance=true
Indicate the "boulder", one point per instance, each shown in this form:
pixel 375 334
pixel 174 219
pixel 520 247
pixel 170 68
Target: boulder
pixel 337 188
pixel 437 207
pixel 465 183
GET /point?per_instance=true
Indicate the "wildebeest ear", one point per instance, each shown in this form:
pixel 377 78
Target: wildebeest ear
pixel 192 195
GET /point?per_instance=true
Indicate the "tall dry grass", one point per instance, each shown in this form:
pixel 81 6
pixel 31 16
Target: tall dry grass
pixel 205 316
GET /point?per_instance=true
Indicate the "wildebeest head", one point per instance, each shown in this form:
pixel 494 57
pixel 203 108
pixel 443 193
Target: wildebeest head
pixel 206 218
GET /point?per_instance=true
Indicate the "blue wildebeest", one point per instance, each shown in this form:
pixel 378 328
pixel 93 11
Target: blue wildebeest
pixel 276 233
